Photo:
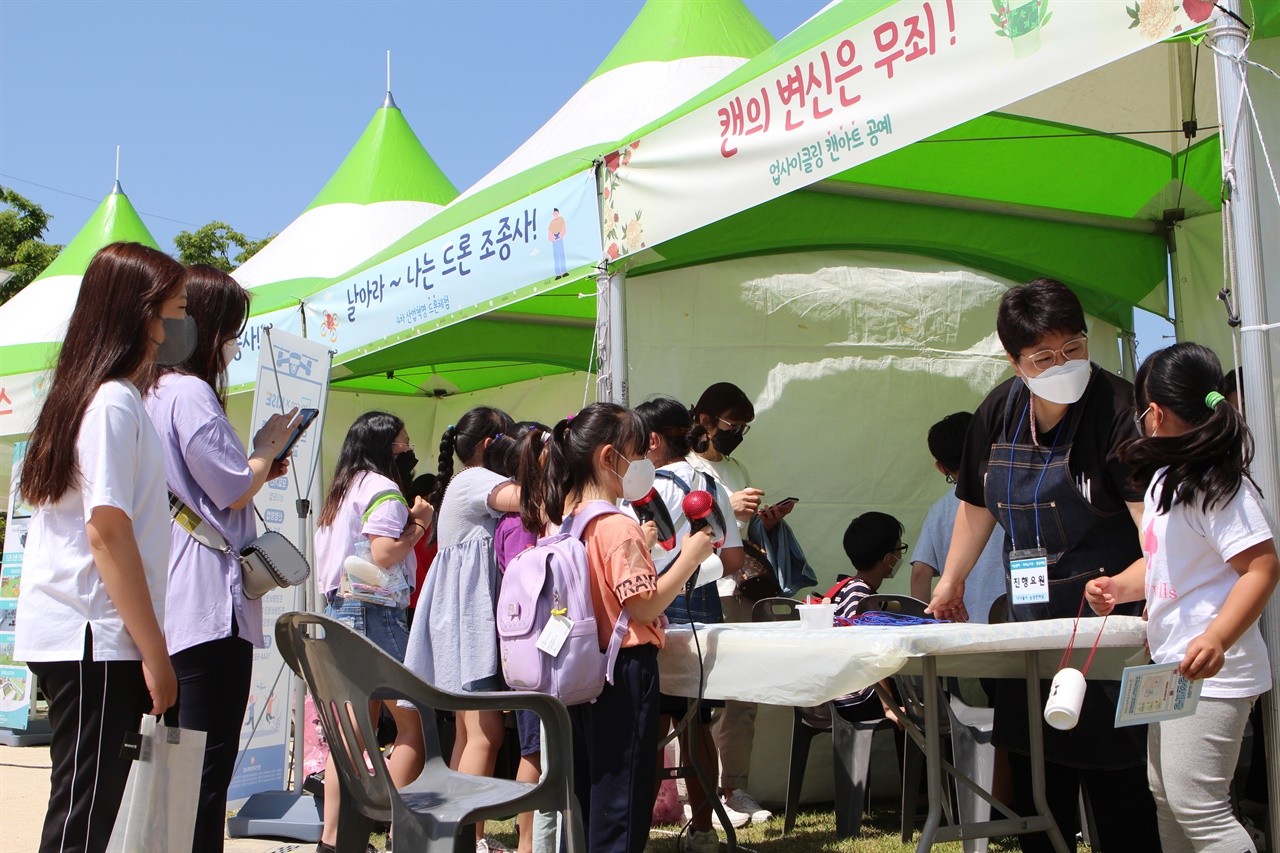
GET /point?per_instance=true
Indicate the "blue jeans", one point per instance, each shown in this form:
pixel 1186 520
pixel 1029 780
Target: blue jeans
pixel 385 627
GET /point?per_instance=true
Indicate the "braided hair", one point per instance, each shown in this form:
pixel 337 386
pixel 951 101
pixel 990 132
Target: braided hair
pixel 464 440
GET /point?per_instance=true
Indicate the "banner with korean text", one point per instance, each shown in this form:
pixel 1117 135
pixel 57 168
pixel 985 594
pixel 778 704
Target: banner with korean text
pixel 291 372
pixel 860 80
pixel 16 682
pixel 524 248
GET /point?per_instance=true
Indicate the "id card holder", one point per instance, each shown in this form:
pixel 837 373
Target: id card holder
pixel 553 636
pixel 1029 576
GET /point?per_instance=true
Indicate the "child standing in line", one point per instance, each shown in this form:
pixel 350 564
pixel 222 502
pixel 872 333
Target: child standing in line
pixel 510 537
pixel 454 641
pixel 599 455
pixel 1210 568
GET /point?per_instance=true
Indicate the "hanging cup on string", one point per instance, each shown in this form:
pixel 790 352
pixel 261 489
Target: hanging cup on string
pixel 1066 695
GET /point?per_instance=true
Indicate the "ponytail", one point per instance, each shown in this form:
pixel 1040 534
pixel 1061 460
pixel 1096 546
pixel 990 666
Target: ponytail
pixel 573 443
pixel 529 475
pixel 465 440
pixel 1211 459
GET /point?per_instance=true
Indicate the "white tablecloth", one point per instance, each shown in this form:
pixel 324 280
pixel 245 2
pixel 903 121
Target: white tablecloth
pixel 782 663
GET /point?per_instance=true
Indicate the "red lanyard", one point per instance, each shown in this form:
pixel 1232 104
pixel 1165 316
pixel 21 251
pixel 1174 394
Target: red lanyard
pixel 1071 643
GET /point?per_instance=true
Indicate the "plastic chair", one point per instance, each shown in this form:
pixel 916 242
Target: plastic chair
pixel 344 671
pixel 975 757
pixel 904 604
pixel 850 744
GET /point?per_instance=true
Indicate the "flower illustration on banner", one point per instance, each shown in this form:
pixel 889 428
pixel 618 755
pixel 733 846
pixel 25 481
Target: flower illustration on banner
pixel 1155 18
pixel 620 235
pixel 329 327
pixel 1020 21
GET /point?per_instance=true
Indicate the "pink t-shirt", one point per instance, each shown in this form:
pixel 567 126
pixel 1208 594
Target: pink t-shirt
pixel 372 506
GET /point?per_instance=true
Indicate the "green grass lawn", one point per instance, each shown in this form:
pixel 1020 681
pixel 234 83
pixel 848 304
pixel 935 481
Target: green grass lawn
pixel 815 831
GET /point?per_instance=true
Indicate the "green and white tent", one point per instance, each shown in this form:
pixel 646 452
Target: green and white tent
pixel 385 187
pixel 672 50
pixel 35 319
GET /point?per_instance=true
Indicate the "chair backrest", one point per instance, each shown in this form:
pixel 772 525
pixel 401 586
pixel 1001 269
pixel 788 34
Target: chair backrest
pixel 999 612
pixel 775 610
pixel 904 604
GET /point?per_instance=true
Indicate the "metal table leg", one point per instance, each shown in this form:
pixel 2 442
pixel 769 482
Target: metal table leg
pixel 1036 737
pixel 932 754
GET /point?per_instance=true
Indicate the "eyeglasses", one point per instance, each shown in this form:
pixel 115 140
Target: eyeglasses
pixel 901 549
pixel 730 426
pixel 406 445
pixel 1071 350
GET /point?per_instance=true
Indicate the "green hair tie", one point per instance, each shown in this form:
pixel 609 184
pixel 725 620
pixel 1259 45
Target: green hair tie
pixel 1212 399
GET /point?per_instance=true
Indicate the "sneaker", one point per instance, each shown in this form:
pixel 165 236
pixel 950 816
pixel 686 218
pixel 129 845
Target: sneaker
pixel 736 819
pixel 742 802
pixel 701 842
pixel 489 844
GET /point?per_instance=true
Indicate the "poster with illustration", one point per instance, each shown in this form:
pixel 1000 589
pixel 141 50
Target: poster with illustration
pixel 17 684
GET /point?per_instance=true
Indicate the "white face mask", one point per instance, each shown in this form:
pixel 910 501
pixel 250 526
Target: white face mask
pixel 230 351
pixel 895 568
pixel 1063 383
pixel 638 480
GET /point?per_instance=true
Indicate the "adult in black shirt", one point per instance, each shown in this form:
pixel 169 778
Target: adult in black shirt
pixel 1041 460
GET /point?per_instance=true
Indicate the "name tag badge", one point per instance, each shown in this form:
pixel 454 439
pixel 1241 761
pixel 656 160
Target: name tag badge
pixel 1029 576
pixel 556 631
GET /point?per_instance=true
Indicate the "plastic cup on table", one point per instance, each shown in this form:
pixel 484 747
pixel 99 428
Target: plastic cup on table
pixel 817 615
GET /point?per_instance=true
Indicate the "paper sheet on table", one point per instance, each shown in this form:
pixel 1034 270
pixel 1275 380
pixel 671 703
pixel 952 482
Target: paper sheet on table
pixel 1156 692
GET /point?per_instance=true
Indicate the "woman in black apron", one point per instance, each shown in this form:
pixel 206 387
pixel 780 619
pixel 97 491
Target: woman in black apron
pixel 1040 460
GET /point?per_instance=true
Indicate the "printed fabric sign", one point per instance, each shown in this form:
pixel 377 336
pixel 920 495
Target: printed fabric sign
pixel 521 249
pixel 292 372
pixel 17 685
pixel 900 75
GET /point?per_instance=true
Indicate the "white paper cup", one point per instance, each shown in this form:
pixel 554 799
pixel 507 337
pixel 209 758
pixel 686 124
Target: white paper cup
pixel 817 615
pixel 1062 711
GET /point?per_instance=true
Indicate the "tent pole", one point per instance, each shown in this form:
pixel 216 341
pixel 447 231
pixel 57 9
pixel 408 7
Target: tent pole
pixel 618 338
pixel 1230 37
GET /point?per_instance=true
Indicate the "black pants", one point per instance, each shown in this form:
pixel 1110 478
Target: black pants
pixel 1123 811
pixel 92 705
pixel 213 689
pixel 615 740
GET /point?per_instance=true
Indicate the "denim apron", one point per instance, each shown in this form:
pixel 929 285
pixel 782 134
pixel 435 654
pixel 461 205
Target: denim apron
pixel 1032 494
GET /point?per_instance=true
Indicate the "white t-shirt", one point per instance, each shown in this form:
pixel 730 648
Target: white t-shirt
pixel 732 477
pixel 986 582
pixel 377 497
pixel 673 496
pixel 1189 578
pixel 121 465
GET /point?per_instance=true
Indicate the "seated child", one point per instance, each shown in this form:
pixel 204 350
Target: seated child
pixel 874 545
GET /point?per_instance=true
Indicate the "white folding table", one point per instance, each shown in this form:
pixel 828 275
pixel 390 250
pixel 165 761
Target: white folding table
pixel 784 663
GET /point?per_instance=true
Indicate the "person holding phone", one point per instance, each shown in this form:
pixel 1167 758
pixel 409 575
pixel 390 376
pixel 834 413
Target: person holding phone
pixel 93 585
pixel 211 627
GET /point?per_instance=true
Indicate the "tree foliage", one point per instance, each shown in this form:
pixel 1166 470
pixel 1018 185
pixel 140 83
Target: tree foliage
pixel 217 244
pixel 22 249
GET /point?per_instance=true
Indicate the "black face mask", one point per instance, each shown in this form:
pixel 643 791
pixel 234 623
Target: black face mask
pixel 727 441
pixel 405 463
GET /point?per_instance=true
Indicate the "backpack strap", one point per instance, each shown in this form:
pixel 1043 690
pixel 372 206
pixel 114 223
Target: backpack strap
pixel 675 478
pixel 577 528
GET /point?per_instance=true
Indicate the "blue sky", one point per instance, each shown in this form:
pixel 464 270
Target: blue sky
pixel 240 111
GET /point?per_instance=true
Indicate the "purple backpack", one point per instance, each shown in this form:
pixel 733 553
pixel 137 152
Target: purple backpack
pixel 554 576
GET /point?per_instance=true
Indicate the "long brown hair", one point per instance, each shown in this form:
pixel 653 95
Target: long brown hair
pixel 220 307
pixel 121 292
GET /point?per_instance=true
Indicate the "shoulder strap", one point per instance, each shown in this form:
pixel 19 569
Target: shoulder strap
pixel 578 526
pixel 199 529
pixel 380 500
pixel 675 478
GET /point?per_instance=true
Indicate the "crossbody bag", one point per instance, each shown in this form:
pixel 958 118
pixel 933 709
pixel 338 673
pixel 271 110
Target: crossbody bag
pixel 268 562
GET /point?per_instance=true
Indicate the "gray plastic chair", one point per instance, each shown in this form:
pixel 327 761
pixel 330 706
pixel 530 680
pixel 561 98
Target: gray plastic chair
pixel 344 671
pixel 850 744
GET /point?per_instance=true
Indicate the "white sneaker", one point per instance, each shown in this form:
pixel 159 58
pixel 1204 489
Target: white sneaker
pixel 701 842
pixel 736 819
pixel 742 802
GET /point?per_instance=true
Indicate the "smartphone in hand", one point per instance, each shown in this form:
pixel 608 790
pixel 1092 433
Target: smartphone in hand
pixel 305 418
